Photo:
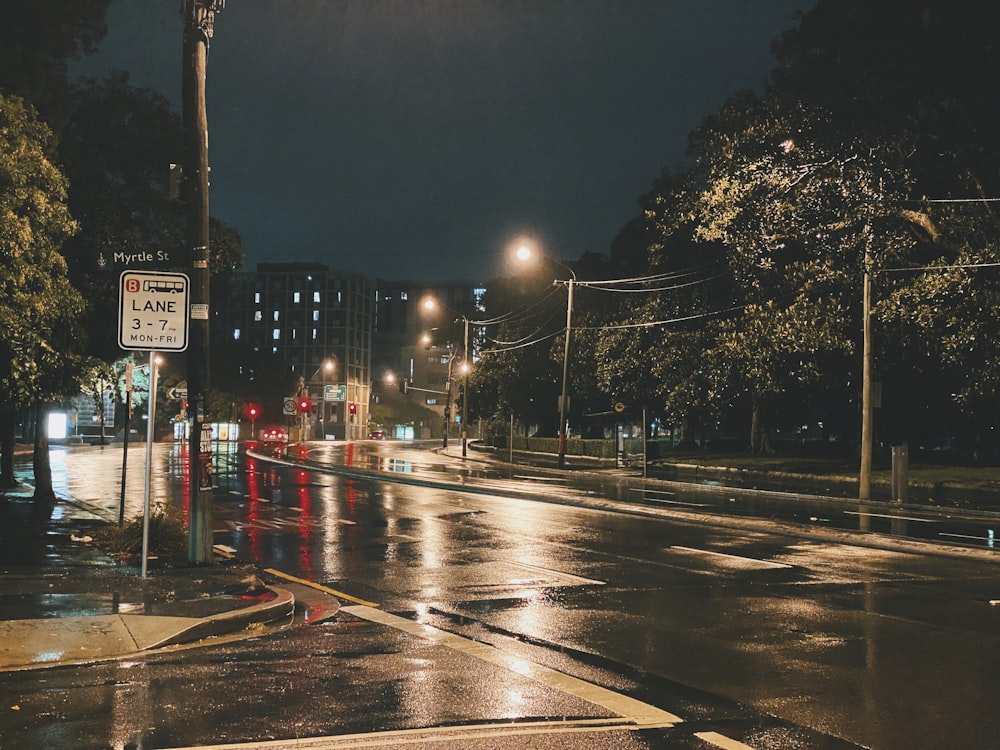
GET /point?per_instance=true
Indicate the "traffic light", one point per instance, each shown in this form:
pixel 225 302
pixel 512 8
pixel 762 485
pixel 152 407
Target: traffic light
pixel 252 411
pixel 304 405
pixel 404 385
pixel 352 408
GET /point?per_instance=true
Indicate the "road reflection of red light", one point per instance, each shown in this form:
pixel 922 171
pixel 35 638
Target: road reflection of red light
pixel 352 497
pixel 253 484
pixel 349 454
pixel 305 528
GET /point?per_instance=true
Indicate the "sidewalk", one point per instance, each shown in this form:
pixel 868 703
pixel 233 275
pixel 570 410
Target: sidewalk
pixel 65 602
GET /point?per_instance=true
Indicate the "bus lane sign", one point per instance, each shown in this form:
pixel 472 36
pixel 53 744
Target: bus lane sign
pixel 153 311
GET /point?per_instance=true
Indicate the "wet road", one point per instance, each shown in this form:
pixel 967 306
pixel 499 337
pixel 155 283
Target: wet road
pixel 774 639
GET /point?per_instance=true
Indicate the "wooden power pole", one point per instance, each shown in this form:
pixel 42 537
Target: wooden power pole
pixel 199 21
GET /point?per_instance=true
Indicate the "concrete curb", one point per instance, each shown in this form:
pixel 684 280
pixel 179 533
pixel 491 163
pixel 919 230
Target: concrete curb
pixel 74 641
pixel 282 606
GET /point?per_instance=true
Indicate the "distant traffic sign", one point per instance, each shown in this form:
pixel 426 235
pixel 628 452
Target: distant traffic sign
pixel 153 311
pixel 288 406
pixel 177 394
pixel 335 392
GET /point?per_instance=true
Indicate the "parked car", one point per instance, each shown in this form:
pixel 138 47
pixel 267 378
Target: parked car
pixel 376 435
pixel 274 435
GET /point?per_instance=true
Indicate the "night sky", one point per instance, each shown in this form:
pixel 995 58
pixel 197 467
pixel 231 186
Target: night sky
pixel 414 139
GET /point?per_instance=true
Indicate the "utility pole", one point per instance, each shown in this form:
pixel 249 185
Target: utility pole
pixel 564 398
pixel 199 22
pixel 865 476
pixel 465 389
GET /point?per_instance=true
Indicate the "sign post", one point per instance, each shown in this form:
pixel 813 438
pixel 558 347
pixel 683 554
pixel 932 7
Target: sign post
pixel 153 316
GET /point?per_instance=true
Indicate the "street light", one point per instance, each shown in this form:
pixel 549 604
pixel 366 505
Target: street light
pixel 430 303
pixel 328 366
pixel 524 254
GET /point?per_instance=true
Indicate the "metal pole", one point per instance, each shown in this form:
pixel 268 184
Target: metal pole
pixel 128 412
pixel 128 420
pixel 150 433
pixel 565 396
pixel 447 403
pixel 465 389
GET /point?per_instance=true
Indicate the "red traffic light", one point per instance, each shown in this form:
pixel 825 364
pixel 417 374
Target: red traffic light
pixel 353 408
pixel 252 411
pixel 304 406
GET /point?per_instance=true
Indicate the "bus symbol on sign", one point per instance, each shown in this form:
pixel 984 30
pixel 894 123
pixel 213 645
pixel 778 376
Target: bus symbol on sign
pixel 153 311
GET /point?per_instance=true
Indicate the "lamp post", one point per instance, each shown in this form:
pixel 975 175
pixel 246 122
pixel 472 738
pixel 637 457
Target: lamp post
pixel 430 303
pixel 327 367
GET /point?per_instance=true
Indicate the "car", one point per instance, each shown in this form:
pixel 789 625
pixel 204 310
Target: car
pixel 274 435
pixel 376 435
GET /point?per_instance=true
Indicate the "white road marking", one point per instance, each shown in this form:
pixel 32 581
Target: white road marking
pixel 463 734
pixel 720 740
pixel 539 479
pixel 888 515
pixel 965 536
pixel 737 560
pixel 646 496
pixel 568 577
pixel 638 713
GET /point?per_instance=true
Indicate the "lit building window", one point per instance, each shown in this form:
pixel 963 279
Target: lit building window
pixel 256 297
pixel 236 334
pixel 402 295
pixel 276 316
pixel 315 314
pixel 315 335
pixel 315 296
pixel 258 316
pixel 276 334
pixel 297 297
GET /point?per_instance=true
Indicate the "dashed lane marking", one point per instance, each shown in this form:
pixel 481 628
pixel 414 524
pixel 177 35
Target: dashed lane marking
pixel 722 557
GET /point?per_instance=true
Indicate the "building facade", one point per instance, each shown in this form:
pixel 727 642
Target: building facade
pixel 320 323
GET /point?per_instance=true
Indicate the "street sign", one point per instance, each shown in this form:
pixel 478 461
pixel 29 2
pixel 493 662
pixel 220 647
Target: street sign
pixel 153 311
pixel 288 407
pixel 177 394
pixel 335 392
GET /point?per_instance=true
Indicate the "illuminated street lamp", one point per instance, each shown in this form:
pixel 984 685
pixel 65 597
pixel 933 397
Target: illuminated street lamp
pixel 328 366
pixel 524 254
pixel 430 304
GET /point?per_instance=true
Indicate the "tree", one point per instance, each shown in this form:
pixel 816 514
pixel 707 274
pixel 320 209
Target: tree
pixel 39 309
pixel 902 71
pixel 36 40
pixel 795 204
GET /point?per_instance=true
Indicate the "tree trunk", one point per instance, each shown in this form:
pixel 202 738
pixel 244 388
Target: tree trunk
pixel 760 441
pixel 7 445
pixel 40 461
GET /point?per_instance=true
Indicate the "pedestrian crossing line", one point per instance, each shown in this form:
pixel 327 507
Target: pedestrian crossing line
pixel 639 714
pixel 320 587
